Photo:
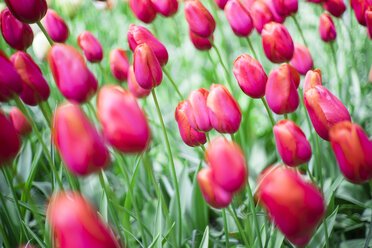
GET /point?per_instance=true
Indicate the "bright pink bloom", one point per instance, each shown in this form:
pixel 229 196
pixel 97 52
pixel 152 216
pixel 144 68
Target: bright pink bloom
pixel 221 3
pixel 302 59
pixel 119 64
pixel 200 43
pixel 28 11
pixel 201 22
pixel 261 15
pixel 197 113
pixel 134 87
pixel 144 10
pixel 276 17
pixel 10 143
pixel 166 7
pixel 368 17
pixel 91 47
pixel 239 18
pixel 10 82
pixel 327 29
pixel 55 26
pixel 20 122
pixel 312 79
pixel 360 7
pixel 335 7
pixel 286 7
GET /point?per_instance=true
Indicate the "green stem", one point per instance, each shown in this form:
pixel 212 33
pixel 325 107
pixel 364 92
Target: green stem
pixel 45 33
pixel 232 137
pixel 299 30
pixel 366 245
pixel 223 65
pixel 326 232
pixel 45 114
pixel 177 32
pixel 173 83
pixel 253 210
pixel 268 111
pixel 225 227
pixel 103 73
pixel 3 234
pixel 286 116
pixel 251 47
pixel 208 138
pixel 334 57
pixel 320 171
pixel 242 233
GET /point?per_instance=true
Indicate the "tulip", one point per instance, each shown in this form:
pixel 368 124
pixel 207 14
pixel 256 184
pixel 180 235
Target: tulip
pixel 35 88
pixel 324 109
pixel 197 113
pixel 281 89
pixel 277 42
pixel 91 47
pixel 134 87
pixel 223 110
pixel 200 43
pixel 190 136
pixel 312 79
pixel 75 223
pixel 10 143
pixel 292 144
pixel 227 162
pixel 213 194
pixel 368 17
pixel 335 7
pixel 10 81
pixel 302 60
pixel 276 17
pixel 250 75
pixel 124 125
pixel 27 11
pixel 327 28
pixel 360 7
pixel 166 8
pixel 201 22
pixel 239 18
pixel 55 26
pixel 298 213
pixel 20 122
pixel 221 3
pixel 119 64
pixel 73 78
pixel 261 15
pixel 144 10
pixel 146 67
pixel 247 4
pixel 138 35
pixel 18 35
pixel 353 150
pixel 285 7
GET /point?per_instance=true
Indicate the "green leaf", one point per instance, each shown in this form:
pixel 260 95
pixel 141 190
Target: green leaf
pixel 205 240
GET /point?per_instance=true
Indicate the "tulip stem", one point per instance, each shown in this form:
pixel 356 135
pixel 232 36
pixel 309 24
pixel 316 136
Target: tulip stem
pixel 286 116
pixel 3 234
pixel 45 33
pixel 334 57
pixel 207 135
pixel 223 64
pixel 299 30
pixel 172 168
pixel 268 111
pixel 320 176
pixel 366 245
pixel 251 47
pixel 253 210
pixel 172 82
pixel 226 228
pixel 242 233
pixel 103 73
pixel 232 137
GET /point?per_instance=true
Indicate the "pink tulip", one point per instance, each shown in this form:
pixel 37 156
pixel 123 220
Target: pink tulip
pixel 368 17
pixel 302 60
pixel 10 143
pixel 285 7
pixel 55 26
pixel 200 43
pixel 144 10
pixel 247 4
pixel 327 29
pixel 239 18
pixel 134 87
pixel 119 64
pixel 261 15
pixel 20 122
pixel 28 11
pixel 335 7
pixel 312 79
pixel 276 17
pixel 10 81
pixel 91 47
pixel 360 7
pixel 221 3
pixel 166 7
pixel 201 22
pixel 197 113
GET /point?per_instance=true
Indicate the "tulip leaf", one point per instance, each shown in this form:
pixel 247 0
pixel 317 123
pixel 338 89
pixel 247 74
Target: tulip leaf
pixel 205 240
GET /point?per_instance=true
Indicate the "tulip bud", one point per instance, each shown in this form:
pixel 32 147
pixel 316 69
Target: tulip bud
pixel 146 67
pixel 227 162
pixel 75 223
pixel 239 18
pixel 213 194
pixel 223 110
pixel 221 3
pixel 35 88
pixel 286 7
pixel 335 7
pixel 324 109
pixel 247 4
pixel 296 214
pixel 353 150
pixel 55 26
pixel 119 64
pixel 276 17
pixel 18 35
pixel 73 78
pixel 190 136
pixel 197 113
pixel 134 87
pixel 261 15
pixel 19 121
pixel 91 47
pixel 124 125
pixel 144 10
pixel 368 17
pixel 166 8
pixel 360 7
pixel 312 79
pixel 291 142
pixel 277 42
pixel 302 60
pixel 10 81
pixel 27 11
pixel 201 22
pixel 327 29
pixel 200 43
pixel 138 35
pixel 281 89
pixel 250 75
pixel 10 143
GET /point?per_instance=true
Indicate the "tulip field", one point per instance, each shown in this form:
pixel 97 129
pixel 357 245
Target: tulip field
pixel 185 123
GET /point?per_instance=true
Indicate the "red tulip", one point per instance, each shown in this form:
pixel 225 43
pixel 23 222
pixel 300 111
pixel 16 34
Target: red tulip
pixel 75 223
pixel 28 11
pixel 190 136
pixel 144 10
pixel 327 28
pixel 119 64
pixel 324 109
pixel 250 75
pixel 213 194
pixel 291 142
pixel 312 79
pixel 335 7
pixel 55 26
pixel 19 121
pixel 368 17
pixel 134 87
pixel 302 60
pixel 353 150
pixel 276 17
pixel 200 43
pixel 197 113
pixel 10 143
pixel 18 35
pixel 221 3
pixel 239 18
pixel 277 42
pixel 286 7
pixel 10 81
pixel 281 89
pixel 35 88
pixel 91 47
pixel 73 78
pixel 124 125
pixel 298 213
pixel 360 7
pixel 166 7
pixel 227 162
pixel 261 15
pixel 138 35
pixel 201 22
pixel 224 111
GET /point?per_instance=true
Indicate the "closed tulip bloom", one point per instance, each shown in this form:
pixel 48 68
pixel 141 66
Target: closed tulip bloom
pixel 190 136
pixel 55 26
pixel 239 18
pixel 312 79
pixel 144 10
pixel 166 7
pixel 261 15
pixel 18 35
pixel 286 7
pixel 276 17
pixel 75 223
pixel 73 78
pixel 201 22
pixel 10 143
pixel 138 35
pixel 353 150
pixel 221 3
pixel 368 17
pixel 302 60
pixel 224 111
pixel 335 7
pixel 197 113
pixel 35 87
pixel 124 125
pixel 247 4
pixel 10 81
pixel 324 109
pixel 20 122
pixel 327 29
pixel 297 214
pixel 213 194
pixel 277 42
pixel 91 47
pixel 28 11
pixel 201 44
pixel 250 75
pixel 119 64
pixel 134 87
pixel 360 7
